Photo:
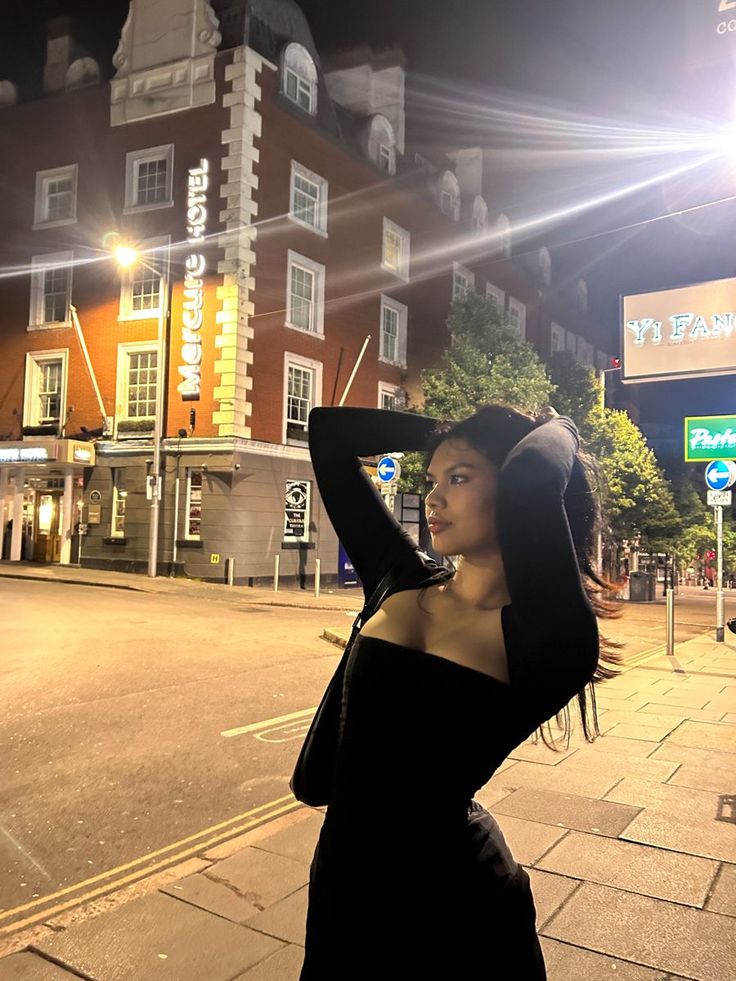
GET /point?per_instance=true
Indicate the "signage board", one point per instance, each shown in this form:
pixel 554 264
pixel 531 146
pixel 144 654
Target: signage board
pixel 710 438
pixel 388 469
pixel 680 333
pixel 720 499
pixel 195 267
pixel 296 511
pixel 720 474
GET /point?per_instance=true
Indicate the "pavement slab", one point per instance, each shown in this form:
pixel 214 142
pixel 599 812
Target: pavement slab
pixel 657 709
pixel 539 753
pixel 621 745
pixel 259 877
pixel 677 818
pixel 569 811
pixel 160 937
pixel 719 780
pixel 284 965
pixel 285 920
pixel 704 758
pixel 568 963
pixel 675 700
pixel 527 840
pixel 583 781
pixel 723 895
pixel 31 967
pixel 297 843
pixel 654 733
pixel 550 892
pixel 637 868
pixel 693 943
pixel 705 735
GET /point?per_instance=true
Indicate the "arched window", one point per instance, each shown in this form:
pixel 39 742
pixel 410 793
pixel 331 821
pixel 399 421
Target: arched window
pixel 83 71
pixel 503 235
pixel 480 215
pixel 545 266
pixel 581 295
pixel 450 196
pixel 382 144
pixel 299 77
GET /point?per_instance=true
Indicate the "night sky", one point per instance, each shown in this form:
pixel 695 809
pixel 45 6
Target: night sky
pixel 653 64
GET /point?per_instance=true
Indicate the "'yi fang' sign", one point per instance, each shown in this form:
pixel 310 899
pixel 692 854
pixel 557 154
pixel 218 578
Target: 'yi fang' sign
pixel 682 333
pixel 194 266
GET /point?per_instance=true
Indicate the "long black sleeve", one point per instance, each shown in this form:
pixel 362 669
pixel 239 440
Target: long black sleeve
pixel 550 629
pixel 338 437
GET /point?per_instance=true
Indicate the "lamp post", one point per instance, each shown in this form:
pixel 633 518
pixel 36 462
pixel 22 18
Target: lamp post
pixel 128 257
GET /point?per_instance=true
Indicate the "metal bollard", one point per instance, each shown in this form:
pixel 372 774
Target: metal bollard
pixel 670 623
pixel 230 570
pixel 317 567
pixel 276 559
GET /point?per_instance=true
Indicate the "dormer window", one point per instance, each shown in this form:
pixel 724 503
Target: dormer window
pixel 299 78
pixel 480 215
pixel 450 196
pixel 382 144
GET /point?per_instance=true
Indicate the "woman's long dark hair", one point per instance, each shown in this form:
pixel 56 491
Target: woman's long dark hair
pixel 493 431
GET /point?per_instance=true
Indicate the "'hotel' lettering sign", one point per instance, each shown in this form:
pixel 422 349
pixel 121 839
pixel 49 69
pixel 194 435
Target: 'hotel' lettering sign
pixel 194 266
pixel 689 332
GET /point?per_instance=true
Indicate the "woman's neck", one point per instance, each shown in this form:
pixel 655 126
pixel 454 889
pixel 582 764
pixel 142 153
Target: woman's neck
pixel 479 582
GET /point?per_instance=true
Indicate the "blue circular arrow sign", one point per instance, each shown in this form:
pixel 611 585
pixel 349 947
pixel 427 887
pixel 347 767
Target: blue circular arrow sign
pixel 720 474
pixel 387 469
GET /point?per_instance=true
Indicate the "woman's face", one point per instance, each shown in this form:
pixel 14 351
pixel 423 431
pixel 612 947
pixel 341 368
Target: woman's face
pixel 462 499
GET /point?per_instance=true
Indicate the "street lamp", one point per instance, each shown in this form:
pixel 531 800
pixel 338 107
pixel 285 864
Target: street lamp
pixel 127 256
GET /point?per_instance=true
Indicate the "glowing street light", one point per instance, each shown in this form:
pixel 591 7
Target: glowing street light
pixel 126 256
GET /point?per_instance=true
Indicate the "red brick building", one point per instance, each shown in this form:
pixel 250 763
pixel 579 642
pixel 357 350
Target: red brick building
pixel 280 221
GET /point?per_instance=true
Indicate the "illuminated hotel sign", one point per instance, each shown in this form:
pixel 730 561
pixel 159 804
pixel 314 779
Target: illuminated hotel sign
pixel 688 332
pixel 710 438
pixel 194 266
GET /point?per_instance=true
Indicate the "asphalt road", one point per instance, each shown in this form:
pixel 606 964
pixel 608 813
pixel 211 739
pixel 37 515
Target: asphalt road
pixel 113 706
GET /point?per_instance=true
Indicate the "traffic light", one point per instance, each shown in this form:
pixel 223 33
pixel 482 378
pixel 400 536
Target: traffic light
pixel 615 362
pixel 710 555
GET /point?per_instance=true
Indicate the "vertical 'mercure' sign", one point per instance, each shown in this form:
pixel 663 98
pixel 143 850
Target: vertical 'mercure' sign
pixel 194 266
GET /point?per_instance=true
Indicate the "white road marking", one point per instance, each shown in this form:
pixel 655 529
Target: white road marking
pixel 268 724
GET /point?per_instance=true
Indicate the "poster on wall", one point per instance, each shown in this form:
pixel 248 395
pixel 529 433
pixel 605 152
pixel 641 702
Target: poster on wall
pixel 296 511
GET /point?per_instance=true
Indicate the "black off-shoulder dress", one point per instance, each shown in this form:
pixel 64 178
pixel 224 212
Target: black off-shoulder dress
pixel 411 877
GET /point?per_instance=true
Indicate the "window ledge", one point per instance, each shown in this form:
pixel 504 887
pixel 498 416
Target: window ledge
pixel 189 543
pixel 40 225
pixel 396 272
pixel 310 333
pixel 53 325
pixel 139 315
pixel 305 224
pixel 134 209
pixel 394 364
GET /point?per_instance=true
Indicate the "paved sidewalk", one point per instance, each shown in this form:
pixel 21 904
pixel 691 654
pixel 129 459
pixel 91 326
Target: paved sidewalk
pixel 630 843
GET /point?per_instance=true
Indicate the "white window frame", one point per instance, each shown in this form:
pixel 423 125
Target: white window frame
pixel 403 267
pixel 479 217
pixel 520 308
pixel 119 492
pixel 393 391
pixel 387 302
pixel 449 196
pixel 494 293
pixel 299 361
pixel 121 385
pixel 557 341
pixel 34 359
pixel 461 289
pixel 133 160
pixel 43 179
pixel 298 62
pixel 571 343
pixel 320 227
pixel 318 298
pixel 188 536
pixel 387 159
pixel 147 255
pixel 40 266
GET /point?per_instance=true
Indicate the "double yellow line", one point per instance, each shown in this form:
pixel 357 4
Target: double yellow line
pixel 139 868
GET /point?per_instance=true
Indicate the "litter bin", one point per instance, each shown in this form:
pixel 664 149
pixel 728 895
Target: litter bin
pixel 641 587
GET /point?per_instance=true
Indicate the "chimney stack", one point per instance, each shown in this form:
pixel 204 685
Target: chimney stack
pixel 58 54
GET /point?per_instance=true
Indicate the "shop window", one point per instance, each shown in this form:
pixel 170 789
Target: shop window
pixel 119 500
pixel 51 285
pixel 193 511
pixel 299 78
pixel 56 197
pixel 149 178
pixel 45 389
pixel 308 198
pixel 303 384
pixel 393 332
pixel 395 251
pixel 305 295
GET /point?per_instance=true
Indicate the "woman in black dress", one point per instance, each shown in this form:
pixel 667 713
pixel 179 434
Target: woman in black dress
pixel 411 877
